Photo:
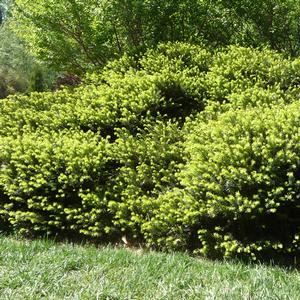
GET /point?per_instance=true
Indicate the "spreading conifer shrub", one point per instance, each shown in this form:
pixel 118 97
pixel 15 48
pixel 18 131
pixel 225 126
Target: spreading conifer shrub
pixel 182 148
pixel 240 188
pixel 148 164
pixel 82 160
pixel 55 181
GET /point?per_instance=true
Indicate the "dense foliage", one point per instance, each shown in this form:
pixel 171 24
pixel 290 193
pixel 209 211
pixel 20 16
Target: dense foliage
pixel 184 148
pixel 76 35
pixel 239 189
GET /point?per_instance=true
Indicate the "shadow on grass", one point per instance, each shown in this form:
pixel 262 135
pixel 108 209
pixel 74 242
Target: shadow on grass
pixel 287 262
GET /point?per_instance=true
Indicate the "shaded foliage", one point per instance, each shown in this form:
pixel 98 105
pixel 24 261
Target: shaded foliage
pixel 79 35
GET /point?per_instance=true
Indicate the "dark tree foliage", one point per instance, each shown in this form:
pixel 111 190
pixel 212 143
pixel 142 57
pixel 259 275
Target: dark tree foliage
pixel 78 35
pixel 36 82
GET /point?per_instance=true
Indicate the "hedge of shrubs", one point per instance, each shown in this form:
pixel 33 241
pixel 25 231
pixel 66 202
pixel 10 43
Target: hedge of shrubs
pixel 184 148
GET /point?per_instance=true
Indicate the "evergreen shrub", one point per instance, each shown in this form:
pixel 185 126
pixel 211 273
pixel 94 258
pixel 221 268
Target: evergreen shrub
pixel 72 160
pixel 183 148
pixel 239 191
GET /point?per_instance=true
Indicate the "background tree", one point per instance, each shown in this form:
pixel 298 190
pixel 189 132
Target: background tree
pixel 271 22
pixel 36 81
pixel 78 35
pixel 16 64
pixel 69 34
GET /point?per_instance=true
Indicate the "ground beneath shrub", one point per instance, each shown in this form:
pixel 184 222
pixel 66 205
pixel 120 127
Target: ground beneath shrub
pixel 44 269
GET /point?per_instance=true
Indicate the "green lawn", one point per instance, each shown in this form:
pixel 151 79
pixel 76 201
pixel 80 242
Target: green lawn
pixel 47 270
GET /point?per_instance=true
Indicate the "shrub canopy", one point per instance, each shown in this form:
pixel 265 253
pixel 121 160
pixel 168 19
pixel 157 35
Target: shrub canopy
pixel 184 148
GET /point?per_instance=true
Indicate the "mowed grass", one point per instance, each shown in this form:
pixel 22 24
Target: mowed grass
pixel 44 269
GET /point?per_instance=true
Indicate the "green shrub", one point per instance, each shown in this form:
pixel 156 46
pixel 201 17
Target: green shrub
pixel 239 68
pixel 36 81
pixel 240 187
pixel 55 182
pixel 149 162
pixel 126 97
pixel 182 148
pixel 133 113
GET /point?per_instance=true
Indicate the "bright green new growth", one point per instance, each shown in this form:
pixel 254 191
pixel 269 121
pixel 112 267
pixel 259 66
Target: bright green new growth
pixel 239 189
pixel 183 148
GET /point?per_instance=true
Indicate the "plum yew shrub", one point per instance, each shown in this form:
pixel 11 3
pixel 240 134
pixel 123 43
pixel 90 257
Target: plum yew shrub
pixel 183 148
pixel 239 191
